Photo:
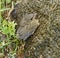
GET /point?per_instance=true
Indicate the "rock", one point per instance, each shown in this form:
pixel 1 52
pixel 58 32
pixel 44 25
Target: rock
pixel 45 40
pixel 28 25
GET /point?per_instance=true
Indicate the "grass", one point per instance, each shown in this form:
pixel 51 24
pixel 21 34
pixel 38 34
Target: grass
pixel 0 11
pixel 7 31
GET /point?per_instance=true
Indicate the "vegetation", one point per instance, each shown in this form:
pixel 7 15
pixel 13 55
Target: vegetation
pixel 44 42
pixel 7 32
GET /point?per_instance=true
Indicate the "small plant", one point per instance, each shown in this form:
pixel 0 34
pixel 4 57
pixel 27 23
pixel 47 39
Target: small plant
pixel 8 41
pixel 8 29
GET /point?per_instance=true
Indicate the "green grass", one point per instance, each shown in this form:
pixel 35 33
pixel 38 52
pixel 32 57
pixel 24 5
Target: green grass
pixel 7 29
pixel 0 11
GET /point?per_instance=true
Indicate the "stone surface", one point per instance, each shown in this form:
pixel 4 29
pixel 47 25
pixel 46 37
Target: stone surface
pixel 45 42
pixel 28 25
